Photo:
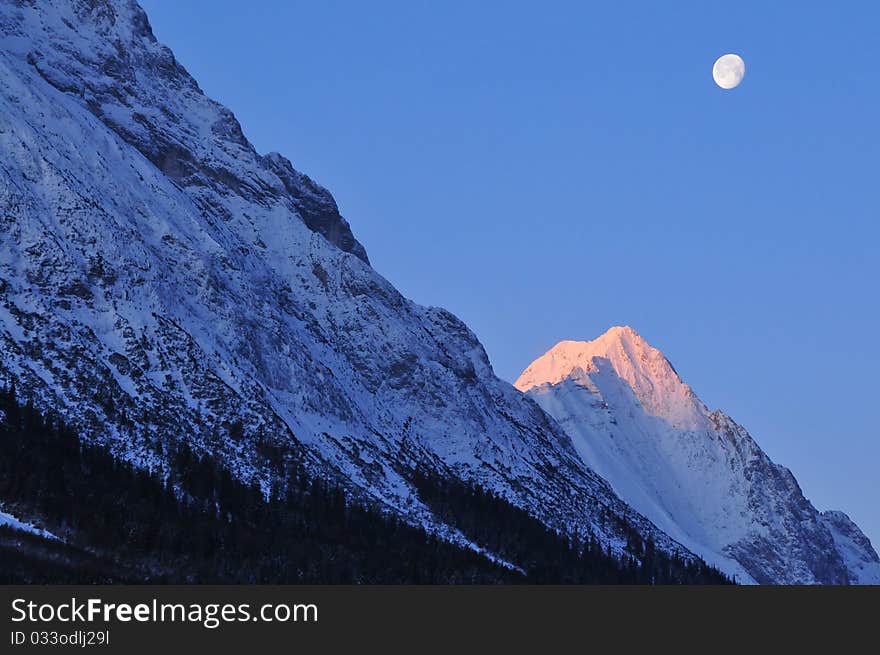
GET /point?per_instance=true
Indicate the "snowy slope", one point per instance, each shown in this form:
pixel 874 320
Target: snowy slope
pixel 696 474
pixel 160 280
pixel 9 521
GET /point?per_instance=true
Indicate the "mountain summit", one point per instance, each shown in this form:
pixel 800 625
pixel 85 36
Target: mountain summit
pixel 623 352
pixel 696 474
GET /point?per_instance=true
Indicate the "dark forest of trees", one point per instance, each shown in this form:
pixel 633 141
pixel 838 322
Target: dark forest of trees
pixel 197 523
pixel 546 556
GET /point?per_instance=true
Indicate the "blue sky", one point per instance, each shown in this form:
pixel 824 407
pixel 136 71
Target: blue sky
pixel 547 170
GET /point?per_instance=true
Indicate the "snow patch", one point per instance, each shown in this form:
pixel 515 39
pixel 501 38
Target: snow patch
pixel 9 521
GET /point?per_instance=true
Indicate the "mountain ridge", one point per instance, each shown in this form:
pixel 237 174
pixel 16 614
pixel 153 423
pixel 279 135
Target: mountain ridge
pixel 157 272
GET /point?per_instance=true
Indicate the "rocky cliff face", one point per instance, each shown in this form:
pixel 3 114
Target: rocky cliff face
pixel 161 281
pixel 855 548
pixel 105 53
pixel 697 474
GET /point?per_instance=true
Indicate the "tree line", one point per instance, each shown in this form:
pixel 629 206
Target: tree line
pixel 548 557
pixel 195 522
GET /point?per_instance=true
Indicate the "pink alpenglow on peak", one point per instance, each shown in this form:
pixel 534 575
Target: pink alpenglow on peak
pixel 622 346
pixel 622 353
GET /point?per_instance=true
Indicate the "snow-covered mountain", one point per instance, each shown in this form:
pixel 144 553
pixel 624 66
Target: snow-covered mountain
pixel 161 281
pixel 696 474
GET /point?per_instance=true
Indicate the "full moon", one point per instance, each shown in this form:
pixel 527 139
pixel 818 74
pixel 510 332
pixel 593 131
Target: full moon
pixel 728 71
